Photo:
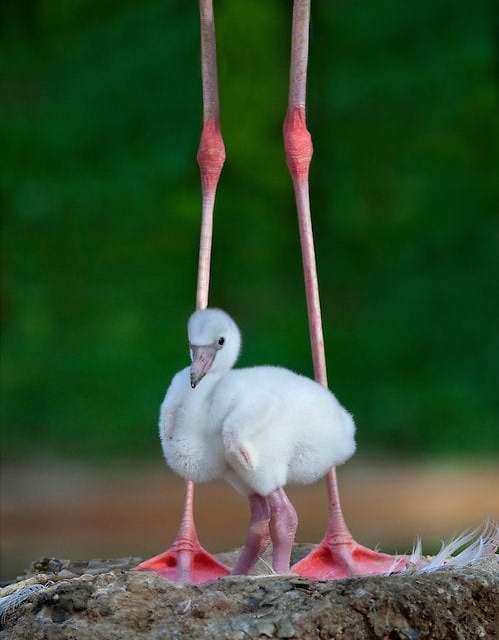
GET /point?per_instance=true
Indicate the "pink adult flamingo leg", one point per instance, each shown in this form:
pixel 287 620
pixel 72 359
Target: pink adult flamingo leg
pixel 338 555
pixel 186 560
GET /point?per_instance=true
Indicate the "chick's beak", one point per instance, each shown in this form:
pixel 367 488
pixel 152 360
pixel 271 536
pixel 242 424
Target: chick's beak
pixel 202 359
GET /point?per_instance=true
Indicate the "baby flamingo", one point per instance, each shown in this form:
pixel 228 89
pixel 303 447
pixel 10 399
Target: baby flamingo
pixel 259 428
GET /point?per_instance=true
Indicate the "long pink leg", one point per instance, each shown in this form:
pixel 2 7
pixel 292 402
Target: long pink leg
pixel 186 560
pixel 283 524
pixel 338 555
pixel 258 537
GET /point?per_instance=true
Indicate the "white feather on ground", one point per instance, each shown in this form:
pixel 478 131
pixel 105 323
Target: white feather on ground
pixel 473 546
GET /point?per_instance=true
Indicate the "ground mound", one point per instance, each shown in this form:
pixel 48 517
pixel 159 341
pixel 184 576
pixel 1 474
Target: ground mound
pixel 107 600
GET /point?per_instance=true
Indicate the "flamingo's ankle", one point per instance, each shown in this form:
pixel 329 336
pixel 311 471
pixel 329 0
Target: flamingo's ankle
pixel 297 143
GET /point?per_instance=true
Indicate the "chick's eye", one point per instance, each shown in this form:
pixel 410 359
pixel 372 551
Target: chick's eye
pixel 221 341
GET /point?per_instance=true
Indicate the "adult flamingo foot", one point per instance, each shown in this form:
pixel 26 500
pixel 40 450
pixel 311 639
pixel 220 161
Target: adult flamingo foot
pixel 339 555
pixel 186 561
pixel 187 566
pixel 343 559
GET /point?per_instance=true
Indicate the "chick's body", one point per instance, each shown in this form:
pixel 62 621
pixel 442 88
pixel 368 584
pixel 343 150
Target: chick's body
pixel 259 428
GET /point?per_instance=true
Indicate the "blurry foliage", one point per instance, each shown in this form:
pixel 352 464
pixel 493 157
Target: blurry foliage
pixel 99 125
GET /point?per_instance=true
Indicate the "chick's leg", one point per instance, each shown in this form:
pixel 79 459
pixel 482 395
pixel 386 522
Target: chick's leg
pixel 283 524
pixel 258 537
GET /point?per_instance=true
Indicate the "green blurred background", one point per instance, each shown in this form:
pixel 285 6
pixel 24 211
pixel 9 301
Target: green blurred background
pixel 99 125
pixel 100 119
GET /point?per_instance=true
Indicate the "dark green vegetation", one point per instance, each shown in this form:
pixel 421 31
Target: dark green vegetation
pixel 99 124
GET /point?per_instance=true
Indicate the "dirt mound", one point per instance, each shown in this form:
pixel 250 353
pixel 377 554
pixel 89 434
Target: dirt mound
pixel 106 599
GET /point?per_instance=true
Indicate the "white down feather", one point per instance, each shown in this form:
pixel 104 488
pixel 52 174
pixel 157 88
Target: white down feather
pixel 259 428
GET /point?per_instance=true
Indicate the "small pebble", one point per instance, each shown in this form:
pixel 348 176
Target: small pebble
pixel 66 575
pixel 183 607
pixel 86 577
pixel 285 630
pixel 266 628
pixel 244 627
